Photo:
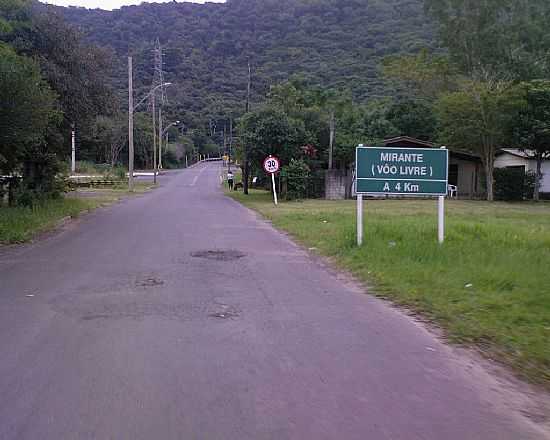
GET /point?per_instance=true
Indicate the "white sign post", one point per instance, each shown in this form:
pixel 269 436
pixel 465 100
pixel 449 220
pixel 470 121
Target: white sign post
pixel 359 220
pixel 272 165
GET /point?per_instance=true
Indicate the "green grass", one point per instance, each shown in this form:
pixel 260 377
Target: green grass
pixel 20 224
pixel 488 285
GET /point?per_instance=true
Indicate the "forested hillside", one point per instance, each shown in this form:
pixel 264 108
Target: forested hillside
pixel 333 43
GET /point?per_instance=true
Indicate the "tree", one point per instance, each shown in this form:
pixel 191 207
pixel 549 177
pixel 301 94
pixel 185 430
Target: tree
pixel 211 44
pixel 479 118
pixel 28 109
pixel 424 75
pixel 497 39
pixel 533 127
pixel 110 136
pixel 270 131
pixel 63 64
pixel 413 118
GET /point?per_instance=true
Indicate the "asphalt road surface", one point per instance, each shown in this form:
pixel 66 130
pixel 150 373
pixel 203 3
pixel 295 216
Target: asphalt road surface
pixel 179 314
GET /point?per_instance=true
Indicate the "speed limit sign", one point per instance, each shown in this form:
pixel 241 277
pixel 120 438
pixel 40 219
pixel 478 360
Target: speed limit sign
pixel 272 165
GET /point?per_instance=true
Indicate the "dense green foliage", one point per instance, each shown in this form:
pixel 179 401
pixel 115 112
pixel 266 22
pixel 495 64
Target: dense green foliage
pixel 332 43
pixel 514 184
pixel 296 172
pixel 499 39
pixel 28 108
pixel 532 129
pixel 479 117
pixel 51 82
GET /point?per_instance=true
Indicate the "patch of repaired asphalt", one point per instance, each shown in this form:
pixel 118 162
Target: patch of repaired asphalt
pixel 219 255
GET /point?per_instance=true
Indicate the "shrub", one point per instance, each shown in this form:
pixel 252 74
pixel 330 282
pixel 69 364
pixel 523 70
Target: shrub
pixel 297 174
pixel 514 184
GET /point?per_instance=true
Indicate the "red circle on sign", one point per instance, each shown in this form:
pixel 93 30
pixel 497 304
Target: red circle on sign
pixel 272 165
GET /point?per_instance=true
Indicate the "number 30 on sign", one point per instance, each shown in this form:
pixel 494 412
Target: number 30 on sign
pixel 272 165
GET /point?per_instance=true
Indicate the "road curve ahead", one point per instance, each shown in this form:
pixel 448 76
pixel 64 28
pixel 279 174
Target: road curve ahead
pixel 180 315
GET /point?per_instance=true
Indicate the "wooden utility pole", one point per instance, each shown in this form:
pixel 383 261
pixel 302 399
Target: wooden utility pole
pixel 130 126
pixel 155 168
pixel 160 139
pixel 248 88
pixel 246 167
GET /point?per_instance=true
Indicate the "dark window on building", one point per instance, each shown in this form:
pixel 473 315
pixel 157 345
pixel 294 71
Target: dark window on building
pixel 516 167
pixel 453 174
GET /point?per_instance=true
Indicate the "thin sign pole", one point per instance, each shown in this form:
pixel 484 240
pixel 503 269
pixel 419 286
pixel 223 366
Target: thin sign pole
pixel 441 219
pixel 359 220
pixel 441 208
pixel 274 189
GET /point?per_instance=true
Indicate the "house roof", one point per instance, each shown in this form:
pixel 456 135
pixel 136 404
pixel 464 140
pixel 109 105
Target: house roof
pixel 514 152
pixel 461 154
pixel 408 139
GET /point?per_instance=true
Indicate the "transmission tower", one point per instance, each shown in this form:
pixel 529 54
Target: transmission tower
pixel 158 77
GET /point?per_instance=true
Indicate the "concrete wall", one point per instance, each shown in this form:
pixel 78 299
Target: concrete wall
pixel 335 185
pixel 509 160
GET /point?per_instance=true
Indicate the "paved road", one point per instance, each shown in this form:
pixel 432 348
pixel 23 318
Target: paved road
pixel 130 336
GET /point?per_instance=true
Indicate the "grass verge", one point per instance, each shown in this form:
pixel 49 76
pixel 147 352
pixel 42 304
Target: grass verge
pixel 488 285
pixel 20 224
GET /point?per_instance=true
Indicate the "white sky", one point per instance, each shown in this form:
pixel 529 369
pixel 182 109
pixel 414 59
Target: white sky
pixel 113 4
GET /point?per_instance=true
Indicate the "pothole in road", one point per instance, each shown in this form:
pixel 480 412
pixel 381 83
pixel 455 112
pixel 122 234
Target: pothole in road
pixel 219 255
pixel 150 282
pixel 225 312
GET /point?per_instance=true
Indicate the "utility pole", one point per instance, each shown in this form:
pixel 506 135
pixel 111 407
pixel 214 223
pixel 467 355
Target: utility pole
pixel 246 167
pixel 130 126
pixel 155 169
pixel 158 81
pixel 230 134
pixel 248 88
pixel 160 138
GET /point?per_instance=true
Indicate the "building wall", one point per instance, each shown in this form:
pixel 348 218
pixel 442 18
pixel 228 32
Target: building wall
pixel 509 160
pixel 470 177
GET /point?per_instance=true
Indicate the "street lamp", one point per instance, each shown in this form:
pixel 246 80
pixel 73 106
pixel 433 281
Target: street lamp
pixel 131 109
pixel 161 134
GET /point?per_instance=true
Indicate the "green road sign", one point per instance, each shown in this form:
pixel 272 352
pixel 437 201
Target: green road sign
pixel 402 171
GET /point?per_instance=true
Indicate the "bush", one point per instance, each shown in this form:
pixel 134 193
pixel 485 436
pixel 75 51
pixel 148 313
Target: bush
pixel 514 184
pixel 297 174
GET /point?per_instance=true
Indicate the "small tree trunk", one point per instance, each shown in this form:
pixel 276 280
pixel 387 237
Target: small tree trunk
pixel 538 178
pixel 489 163
pixel 12 183
pixel 246 175
pixel 331 139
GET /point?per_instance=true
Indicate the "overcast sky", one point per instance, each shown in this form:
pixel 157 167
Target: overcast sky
pixel 113 4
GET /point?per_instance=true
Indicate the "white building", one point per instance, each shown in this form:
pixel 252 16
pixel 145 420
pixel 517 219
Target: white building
pixel 511 158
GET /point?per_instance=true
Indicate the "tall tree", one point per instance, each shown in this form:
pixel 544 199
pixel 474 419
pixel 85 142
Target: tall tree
pixel 494 39
pixel 413 118
pixel 28 108
pixel 533 126
pixel 270 131
pixel 479 118
pixel 422 76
